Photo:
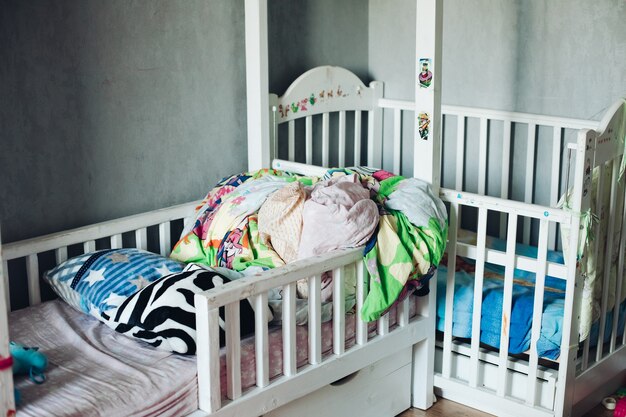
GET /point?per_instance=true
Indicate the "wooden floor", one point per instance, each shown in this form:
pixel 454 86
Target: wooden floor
pixel 447 408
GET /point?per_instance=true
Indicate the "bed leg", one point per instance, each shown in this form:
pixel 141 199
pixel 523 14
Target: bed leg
pixel 423 371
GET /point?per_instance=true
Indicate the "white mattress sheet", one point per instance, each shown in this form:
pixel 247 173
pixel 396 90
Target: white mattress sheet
pixel 94 371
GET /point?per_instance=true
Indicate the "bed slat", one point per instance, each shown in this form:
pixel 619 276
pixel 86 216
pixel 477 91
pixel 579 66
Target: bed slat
pixel 325 140
pixel 291 144
pixel 116 241
pixel 7 287
pixel 357 138
pixel 482 156
pixel 32 271
pixel 289 330
pixel 620 267
pixel 141 238
pixel 554 185
pixel 402 317
pixel 542 254
pixel 397 141
pixel 383 324
pixel 89 246
pixel 507 299
pixel 361 293
pixel 450 282
pixel 209 396
pixel 315 320
pixel 460 152
pixel 60 255
pixel 308 126
pixel 261 340
pixel 478 296
pixel 233 351
pixel 506 160
pixel 165 243
pixel 342 138
pixel 530 177
pixel 339 312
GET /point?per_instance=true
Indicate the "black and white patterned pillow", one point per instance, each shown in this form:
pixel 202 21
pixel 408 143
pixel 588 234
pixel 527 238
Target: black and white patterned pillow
pixel 163 313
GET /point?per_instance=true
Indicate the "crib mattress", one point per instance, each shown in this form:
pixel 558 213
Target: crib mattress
pixel 95 371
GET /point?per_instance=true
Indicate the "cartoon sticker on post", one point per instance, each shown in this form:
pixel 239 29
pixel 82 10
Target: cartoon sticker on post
pixel 425 76
pixel 424 125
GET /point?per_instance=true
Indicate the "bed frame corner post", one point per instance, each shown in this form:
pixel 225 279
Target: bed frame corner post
pixel 428 117
pixel 257 84
pixel 7 398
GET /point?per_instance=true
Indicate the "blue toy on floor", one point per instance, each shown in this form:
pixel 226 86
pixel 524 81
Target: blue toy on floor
pixel 28 361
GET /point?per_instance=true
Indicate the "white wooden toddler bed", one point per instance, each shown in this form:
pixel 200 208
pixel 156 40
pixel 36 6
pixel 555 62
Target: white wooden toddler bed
pixel 375 370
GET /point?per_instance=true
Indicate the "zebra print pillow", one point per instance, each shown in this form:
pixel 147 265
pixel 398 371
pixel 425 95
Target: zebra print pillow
pixel 163 313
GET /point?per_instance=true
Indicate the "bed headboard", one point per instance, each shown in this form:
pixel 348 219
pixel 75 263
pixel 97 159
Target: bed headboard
pixel 327 93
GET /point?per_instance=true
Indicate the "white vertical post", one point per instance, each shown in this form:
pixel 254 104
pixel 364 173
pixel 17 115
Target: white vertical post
pixel 165 240
pixel 5 284
pixel 208 355
pixel 289 330
pixel 309 139
pixel 315 320
pixel 530 177
pixel 291 129
pixel 620 267
pixel 397 141
pixel 482 156
pixel 449 314
pixel 32 271
pixel 460 151
pixel 357 138
pixel 478 296
pixel 233 350
pixel 339 312
pixel 423 372
pixel 428 34
pixel 361 293
pixel 141 238
pixel 257 84
pixel 554 186
pixel 7 400
pixel 261 340
pixel 375 128
pixel 342 139
pixel 325 140
pixel 506 158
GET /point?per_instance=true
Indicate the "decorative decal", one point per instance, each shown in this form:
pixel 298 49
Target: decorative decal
pixel 424 125
pixel 305 103
pixel 425 77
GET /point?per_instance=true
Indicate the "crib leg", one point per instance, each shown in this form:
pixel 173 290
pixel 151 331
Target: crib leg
pixel 423 371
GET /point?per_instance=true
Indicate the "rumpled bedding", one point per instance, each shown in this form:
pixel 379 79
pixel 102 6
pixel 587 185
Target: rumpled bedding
pixel 250 220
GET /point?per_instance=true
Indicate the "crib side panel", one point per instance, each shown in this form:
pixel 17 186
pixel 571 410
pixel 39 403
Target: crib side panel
pixel 7 400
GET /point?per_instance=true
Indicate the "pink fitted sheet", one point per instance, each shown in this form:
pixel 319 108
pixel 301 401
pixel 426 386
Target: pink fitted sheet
pixel 94 371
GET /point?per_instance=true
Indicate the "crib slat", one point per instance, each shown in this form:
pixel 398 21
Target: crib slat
pixel 361 293
pixel 32 271
pixel 397 141
pixel 209 396
pixel 291 144
pixel 60 255
pixel 478 295
pixel 89 246
pixel 308 125
pixel 482 157
pixel 460 152
pixel 585 360
pixel 403 312
pixel 165 243
pixel 383 325
pixel 315 320
pixel 554 185
pixel 339 312
pixel 608 258
pixel 325 140
pixel 342 138
pixel 289 329
pixel 507 299
pixel 506 159
pixel 141 238
pixel 261 340
pixel 596 244
pixel 7 288
pixel 530 176
pixel 233 351
pixel 620 267
pixel 540 279
pixel 357 138
pixel 450 282
pixel 116 241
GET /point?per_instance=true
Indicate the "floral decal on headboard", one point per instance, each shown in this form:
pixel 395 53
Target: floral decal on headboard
pixel 307 102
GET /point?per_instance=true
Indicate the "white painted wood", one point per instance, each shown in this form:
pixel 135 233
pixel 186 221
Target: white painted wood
pixel 89 246
pixel 357 138
pixel 309 139
pixel 141 238
pixel 422 394
pixel 555 176
pixel 428 34
pixel 450 282
pixel 5 282
pixel 208 355
pixel 342 138
pixel 460 152
pixel 620 267
pixel 383 325
pixel 298 168
pixel 290 360
pixel 7 399
pixel 261 340
pixel 585 358
pixel 507 298
pixel 482 156
pixel 397 141
pixel 339 312
pixel 32 271
pixel 315 320
pixel 165 241
pixel 478 294
pixel 403 312
pixel 504 180
pixel 257 84
pixel 375 128
pixel 60 255
pixel 540 278
pixel 116 241
pixel 291 143
pixel 325 140
pixel 362 280
pixel 233 351
pixel 608 258
pixel 530 176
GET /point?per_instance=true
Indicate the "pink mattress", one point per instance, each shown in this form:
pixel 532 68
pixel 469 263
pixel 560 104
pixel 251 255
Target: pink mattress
pixel 94 371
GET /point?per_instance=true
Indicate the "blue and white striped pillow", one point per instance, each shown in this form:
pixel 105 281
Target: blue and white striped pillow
pixel 100 281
